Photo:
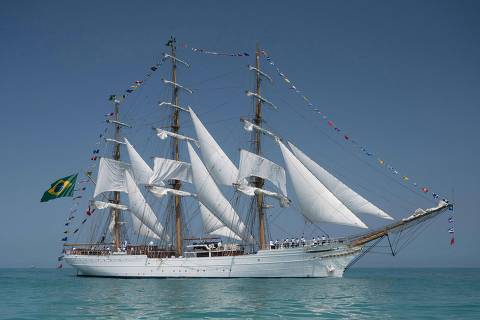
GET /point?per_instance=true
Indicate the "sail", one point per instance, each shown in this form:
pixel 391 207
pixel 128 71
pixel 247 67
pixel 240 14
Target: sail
pixel 141 170
pixel 166 169
pixel 347 196
pixel 141 229
pixel 316 202
pixel 213 226
pixel 140 208
pixel 160 192
pixel 252 191
pixel 111 176
pixel 254 165
pixel 211 196
pixel 218 164
pixel 104 205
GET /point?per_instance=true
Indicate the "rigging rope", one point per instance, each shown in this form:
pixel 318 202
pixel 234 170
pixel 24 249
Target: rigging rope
pixel 346 137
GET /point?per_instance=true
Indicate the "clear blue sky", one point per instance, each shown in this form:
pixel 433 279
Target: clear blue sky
pixel 402 77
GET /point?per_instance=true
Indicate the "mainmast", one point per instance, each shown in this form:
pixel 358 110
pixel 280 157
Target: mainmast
pixel 116 195
pixel 175 125
pixel 257 149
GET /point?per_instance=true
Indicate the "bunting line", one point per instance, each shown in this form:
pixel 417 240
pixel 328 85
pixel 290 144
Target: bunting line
pixel 345 136
pixel 72 225
pixel 216 53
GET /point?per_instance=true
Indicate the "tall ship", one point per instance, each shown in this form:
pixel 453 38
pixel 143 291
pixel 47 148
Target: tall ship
pixel 194 213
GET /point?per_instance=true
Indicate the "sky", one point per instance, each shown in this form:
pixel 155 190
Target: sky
pixel 401 77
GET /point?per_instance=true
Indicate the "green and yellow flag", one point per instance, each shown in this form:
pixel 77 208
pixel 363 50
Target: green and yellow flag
pixel 61 188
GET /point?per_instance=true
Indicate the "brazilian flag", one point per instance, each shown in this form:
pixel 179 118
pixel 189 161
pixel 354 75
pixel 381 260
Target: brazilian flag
pixel 61 188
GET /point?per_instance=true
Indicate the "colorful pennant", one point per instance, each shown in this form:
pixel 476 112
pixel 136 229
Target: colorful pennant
pixel 216 53
pixel 337 129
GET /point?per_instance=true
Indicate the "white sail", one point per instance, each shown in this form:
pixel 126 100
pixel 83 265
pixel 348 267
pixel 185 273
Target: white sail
pixel 347 196
pixel 141 169
pixel 160 192
pixel 252 191
pixel 225 232
pixel 166 169
pixel 141 229
pixel 254 165
pixel 213 226
pixel 163 134
pixel 104 205
pixel 316 202
pixel 211 196
pixel 141 209
pixel 218 164
pixel 111 176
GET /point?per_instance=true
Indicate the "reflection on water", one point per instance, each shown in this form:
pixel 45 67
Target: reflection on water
pixel 362 294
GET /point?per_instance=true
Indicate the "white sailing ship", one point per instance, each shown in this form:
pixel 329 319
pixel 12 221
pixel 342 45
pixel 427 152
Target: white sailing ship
pixel 233 243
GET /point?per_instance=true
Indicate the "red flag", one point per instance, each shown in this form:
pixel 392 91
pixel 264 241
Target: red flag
pixel 452 241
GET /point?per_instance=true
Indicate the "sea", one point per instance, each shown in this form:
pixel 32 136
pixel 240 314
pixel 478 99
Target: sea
pixel 37 293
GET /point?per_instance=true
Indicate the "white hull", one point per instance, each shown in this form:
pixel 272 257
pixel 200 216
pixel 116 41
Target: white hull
pixel 293 262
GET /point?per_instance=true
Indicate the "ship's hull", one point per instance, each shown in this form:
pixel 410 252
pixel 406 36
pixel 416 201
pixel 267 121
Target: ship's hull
pixel 292 262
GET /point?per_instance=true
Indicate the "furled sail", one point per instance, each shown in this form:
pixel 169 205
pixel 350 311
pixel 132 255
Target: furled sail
pixel 104 205
pixel 141 170
pixel 316 202
pixel 140 208
pixel 211 196
pixel 252 191
pixel 163 134
pixel 160 192
pixel 111 176
pixel 166 169
pixel 218 164
pixel 347 196
pixel 213 226
pixel 254 165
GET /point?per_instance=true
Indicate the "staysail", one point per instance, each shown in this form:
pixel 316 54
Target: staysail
pixel 141 229
pixel 316 202
pixel 213 226
pixel 141 209
pixel 218 164
pixel 210 195
pixel 347 196
pixel 141 170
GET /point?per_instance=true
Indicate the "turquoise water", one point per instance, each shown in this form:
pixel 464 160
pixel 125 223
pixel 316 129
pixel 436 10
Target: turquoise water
pixel 361 294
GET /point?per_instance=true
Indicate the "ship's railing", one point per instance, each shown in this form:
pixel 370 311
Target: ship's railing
pixel 104 250
pixel 297 243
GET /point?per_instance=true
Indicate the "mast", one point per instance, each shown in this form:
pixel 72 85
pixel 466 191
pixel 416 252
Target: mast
pixel 116 195
pixel 175 125
pixel 257 150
